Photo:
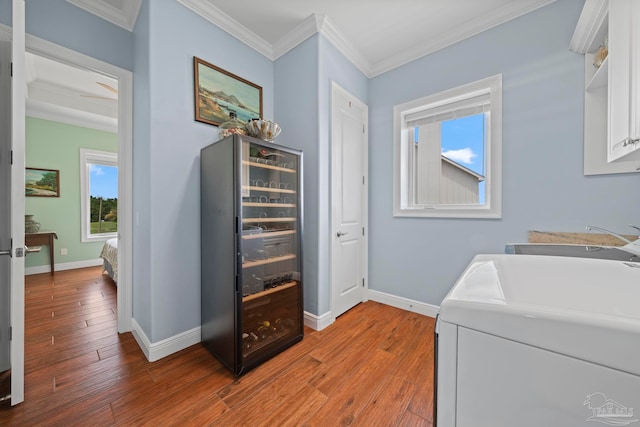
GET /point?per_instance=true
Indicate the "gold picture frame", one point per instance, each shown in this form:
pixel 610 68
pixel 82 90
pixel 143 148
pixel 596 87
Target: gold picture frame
pixel 217 92
pixel 42 182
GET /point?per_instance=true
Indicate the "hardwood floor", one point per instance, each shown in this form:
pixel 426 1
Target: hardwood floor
pixel 372 367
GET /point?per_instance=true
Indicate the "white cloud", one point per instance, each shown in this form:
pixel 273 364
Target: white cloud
pixel 96 170
pixel 465 155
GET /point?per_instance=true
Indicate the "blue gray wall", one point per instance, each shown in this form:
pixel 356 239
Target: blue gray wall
pixel 60 22
pixel 302 88
pixel 5 12
pixel 167 152
pixel 543 184
pixel 142 289
pixel 296 104
pixel 544 187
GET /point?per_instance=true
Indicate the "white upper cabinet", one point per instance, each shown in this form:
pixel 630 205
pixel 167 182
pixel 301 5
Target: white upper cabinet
pixel 612 88
pixel 624 79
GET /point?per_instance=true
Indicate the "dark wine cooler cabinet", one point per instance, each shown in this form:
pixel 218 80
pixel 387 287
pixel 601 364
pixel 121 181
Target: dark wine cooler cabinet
pixel 251 219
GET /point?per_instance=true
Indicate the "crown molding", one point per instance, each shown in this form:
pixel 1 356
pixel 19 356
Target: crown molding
pixel 331 32
pixel 591 21
pixel 71 116
pixel 293 38
pixel 318 23
pixel 472 28
pixel 230 25
pixel 124 18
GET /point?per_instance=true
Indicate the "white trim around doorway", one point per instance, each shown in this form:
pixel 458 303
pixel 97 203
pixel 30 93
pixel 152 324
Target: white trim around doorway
pixel 59 53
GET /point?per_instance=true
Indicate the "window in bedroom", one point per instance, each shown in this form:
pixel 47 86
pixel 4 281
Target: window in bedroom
pixel 99 195
pixel 448 153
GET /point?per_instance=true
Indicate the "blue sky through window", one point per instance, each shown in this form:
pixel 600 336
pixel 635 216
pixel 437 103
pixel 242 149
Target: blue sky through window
pixel 463 142
pixel 103 181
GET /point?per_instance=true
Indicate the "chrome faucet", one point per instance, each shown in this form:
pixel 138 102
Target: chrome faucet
pixel 604 230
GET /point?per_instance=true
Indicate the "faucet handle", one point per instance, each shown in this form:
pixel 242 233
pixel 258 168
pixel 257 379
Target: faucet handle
pixel 604 230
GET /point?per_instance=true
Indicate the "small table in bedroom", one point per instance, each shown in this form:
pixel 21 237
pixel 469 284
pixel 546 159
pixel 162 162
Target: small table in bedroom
pixel 42 238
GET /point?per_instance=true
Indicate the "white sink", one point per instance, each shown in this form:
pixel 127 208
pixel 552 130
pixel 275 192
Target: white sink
pixel 586 308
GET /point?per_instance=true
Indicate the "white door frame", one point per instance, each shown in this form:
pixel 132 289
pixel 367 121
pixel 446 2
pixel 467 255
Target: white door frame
pixel 125 167
pixel 335 88
pixel 59 53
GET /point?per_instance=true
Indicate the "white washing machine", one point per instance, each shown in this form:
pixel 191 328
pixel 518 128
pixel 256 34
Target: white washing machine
pixel 540 341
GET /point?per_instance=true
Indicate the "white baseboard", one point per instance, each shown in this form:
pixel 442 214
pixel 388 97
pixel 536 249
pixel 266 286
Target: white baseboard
pixel 39 269
pixel 158 350
pixel 318 323
pixel 404 303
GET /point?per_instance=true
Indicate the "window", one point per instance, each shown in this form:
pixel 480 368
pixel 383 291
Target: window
pixel 448 153
pixel 99 195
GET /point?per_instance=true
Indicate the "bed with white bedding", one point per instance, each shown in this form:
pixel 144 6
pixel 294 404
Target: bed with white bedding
pixel 109 255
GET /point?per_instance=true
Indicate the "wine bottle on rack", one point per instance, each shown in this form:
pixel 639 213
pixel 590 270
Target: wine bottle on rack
pixel 264 330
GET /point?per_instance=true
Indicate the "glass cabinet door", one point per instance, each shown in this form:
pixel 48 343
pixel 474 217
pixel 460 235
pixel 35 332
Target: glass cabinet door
pixel 270 248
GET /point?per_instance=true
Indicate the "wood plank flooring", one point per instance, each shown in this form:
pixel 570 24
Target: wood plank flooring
pixel 372 367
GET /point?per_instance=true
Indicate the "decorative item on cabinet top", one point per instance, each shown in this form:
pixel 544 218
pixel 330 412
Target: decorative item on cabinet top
pixel 232 126
pixel 263 129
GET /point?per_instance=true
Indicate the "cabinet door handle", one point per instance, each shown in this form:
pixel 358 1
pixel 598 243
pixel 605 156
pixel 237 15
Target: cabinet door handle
pixel 629 141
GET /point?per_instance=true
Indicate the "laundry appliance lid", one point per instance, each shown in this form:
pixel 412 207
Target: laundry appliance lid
pixel 584 308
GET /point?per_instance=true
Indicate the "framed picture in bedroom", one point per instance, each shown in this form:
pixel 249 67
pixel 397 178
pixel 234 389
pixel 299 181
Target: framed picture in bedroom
pixel 218 92
pixel 42 182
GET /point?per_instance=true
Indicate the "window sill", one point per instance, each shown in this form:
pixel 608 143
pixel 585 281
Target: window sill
pixel 98 238
pixel 481 212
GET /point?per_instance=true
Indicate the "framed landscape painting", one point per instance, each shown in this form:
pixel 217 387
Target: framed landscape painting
pixel 218 92
pixel 42 182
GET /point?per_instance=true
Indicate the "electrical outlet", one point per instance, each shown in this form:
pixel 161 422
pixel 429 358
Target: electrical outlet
pixel 63 251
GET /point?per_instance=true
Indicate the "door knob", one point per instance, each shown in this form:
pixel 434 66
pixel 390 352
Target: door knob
pixel 340 234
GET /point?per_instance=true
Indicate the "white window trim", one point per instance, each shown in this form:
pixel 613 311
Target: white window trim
pixel 492 208
pixel 92 157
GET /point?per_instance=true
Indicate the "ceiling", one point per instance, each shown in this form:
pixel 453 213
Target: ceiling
pixel 376 35
pixel 60 92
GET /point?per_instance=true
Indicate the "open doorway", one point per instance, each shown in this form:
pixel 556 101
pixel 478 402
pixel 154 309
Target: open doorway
pixel 71 179
pixel 72 131
pixel 122 83
pixel 124 79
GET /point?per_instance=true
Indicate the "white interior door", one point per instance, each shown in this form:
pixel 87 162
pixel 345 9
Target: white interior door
pixel 349 200
pixel 5 205
pixel 18 89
